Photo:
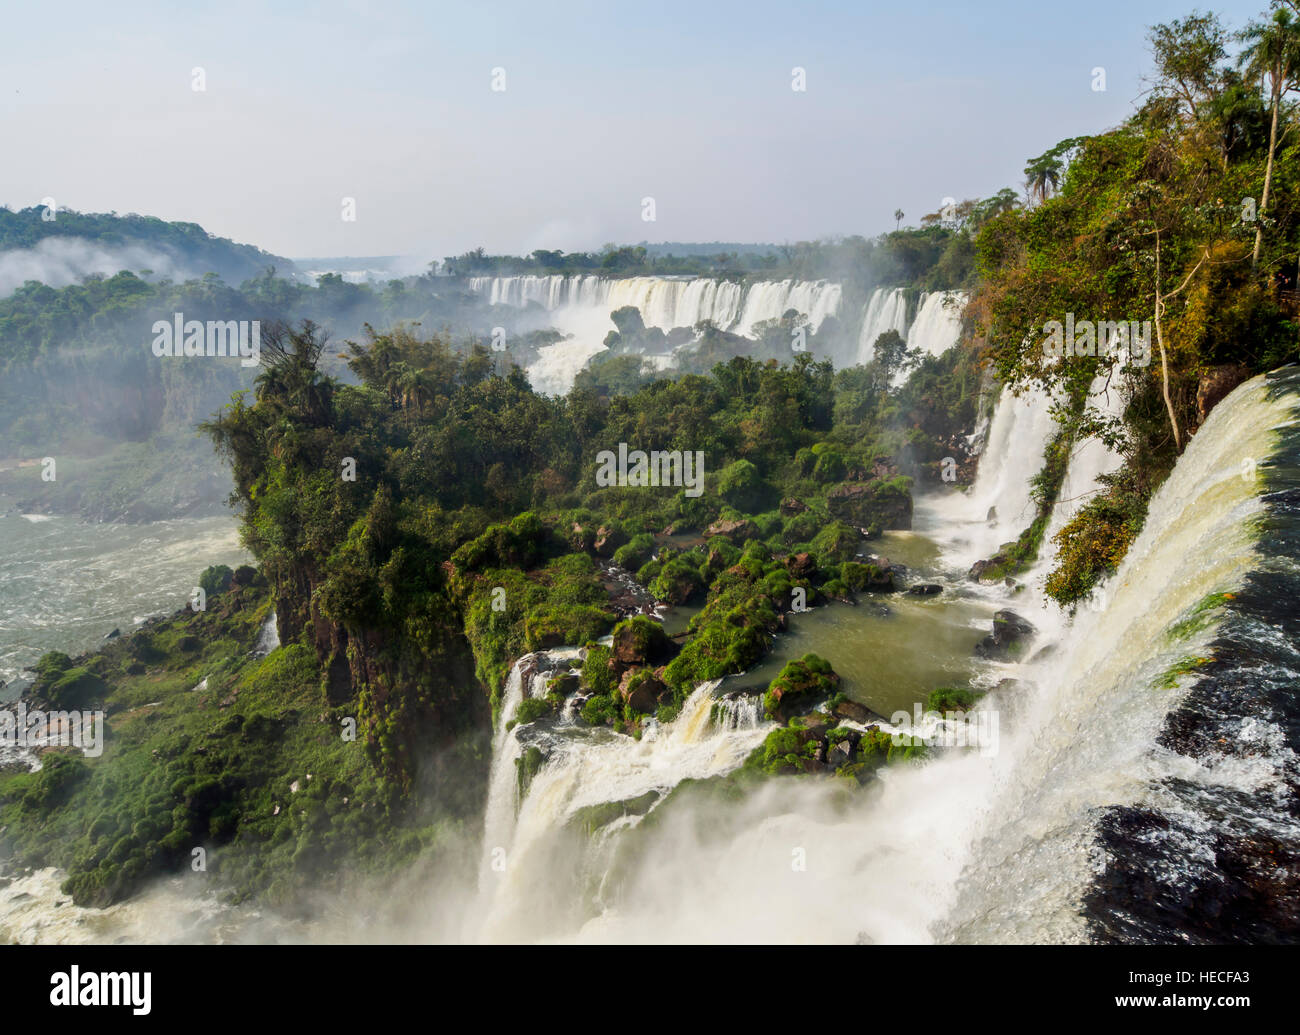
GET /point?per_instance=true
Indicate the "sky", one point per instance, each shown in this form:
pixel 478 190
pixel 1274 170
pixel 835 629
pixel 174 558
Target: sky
pixel 604 105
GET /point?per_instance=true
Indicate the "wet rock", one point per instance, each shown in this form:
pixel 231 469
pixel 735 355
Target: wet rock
pixel 1010 632
pixel 114 634
pixel 856 712
pixel 565 683
pixel 925 589
pixel 643 689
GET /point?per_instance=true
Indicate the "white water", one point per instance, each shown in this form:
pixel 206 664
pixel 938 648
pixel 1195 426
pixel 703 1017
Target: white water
pixel 65 583
pixel 579 306
pixel 966 847
pixel 887 311
pixel 592 766
pixel 972 524
pixel 936 329
pixel 938 322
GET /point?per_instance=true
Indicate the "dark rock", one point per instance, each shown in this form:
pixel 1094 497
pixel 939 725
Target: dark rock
pixel 791 506
pixel 856 712
pixel 874 506
pixel 1009 633
pixel 114 634
pixel 925 589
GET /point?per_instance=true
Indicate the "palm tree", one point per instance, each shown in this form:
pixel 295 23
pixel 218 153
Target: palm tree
pixel 1273 53
pixel 898 218
pixel 1042 176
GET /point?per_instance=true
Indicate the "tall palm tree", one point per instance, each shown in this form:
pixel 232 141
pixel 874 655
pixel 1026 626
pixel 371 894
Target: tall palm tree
pixel 1042 176
pixel 898 218
pixel 1272 53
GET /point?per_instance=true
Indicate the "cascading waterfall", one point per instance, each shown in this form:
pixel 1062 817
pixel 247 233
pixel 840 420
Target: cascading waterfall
pixel 936 329
pixel 580 306
pixel 1003 846
pixel 972 525
pixel 938 322
pixel 595 766
pixel 1095 734
pixel 886 311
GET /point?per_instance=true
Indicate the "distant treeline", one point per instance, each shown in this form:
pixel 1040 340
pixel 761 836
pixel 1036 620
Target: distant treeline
pixel 939 255
pixel 187 245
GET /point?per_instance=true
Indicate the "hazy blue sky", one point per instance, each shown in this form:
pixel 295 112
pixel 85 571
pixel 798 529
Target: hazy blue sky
pixel 605 103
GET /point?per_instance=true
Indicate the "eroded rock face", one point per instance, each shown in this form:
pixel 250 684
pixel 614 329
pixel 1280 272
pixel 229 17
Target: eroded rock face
pixel 1010 632
pixel 791 506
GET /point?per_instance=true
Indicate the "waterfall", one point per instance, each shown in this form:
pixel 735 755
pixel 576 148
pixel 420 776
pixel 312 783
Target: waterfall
pixel 268 637
pixel 938 322
pixel 886 311
pixel 1089 460
pixel 972 525
pixel 1090 807
pixel 593 766
pixel 1096 734
pixel 579 306
pixel 936 329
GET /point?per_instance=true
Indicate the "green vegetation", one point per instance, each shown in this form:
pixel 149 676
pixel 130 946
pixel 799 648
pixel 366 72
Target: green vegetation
pixel 1147 223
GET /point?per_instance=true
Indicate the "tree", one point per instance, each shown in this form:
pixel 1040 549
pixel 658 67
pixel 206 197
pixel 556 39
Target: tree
pixel 898 218
pixel 1043 174
pixel 1187 53
pixel 1272 53
pixel 890 357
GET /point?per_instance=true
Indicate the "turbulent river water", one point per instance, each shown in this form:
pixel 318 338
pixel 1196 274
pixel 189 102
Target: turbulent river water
pixel 1124 790
pixel 66 584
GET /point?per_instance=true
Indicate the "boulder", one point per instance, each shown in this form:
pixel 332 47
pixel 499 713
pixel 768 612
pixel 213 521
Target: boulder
pixel 875 506
pixel 638 642
pixel 737 530
pixel 1009 633
pixel 925 589
pixel 856 712
pixel 801 565
pixel 608 540
pixel 790 507
pixel 643 689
